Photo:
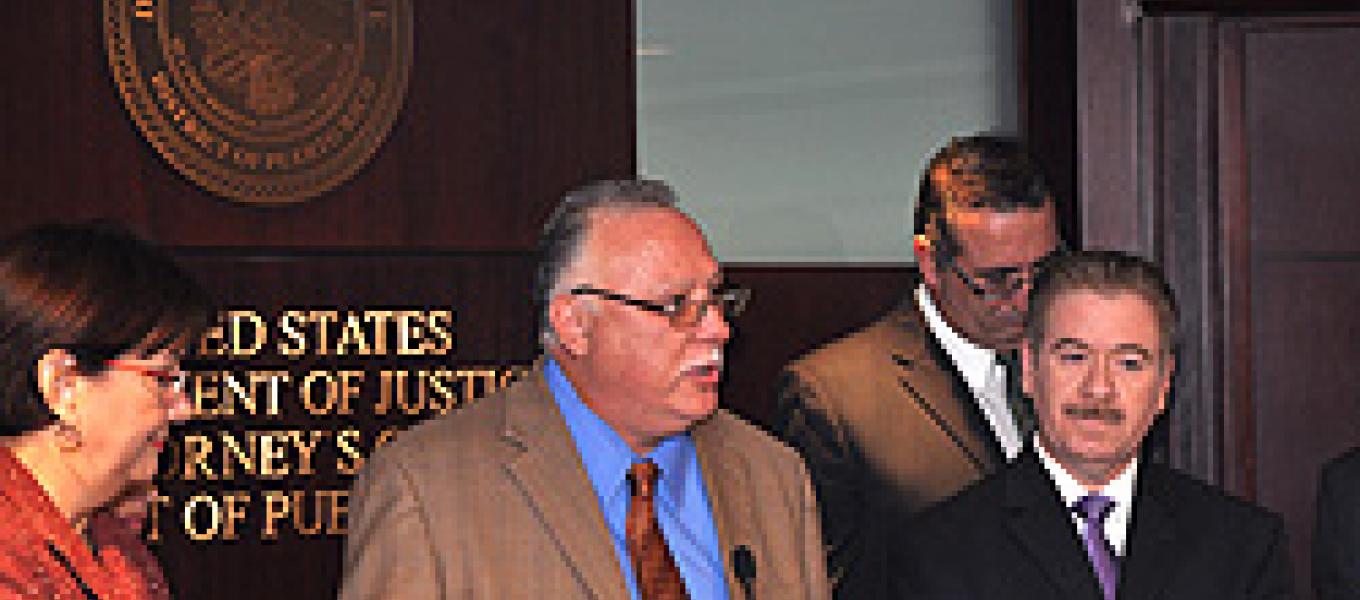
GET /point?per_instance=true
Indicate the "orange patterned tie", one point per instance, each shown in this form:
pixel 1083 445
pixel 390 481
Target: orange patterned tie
pixel 657 576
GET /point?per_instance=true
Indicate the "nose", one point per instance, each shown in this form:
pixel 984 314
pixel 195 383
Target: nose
pixel 713 326
pixel 1097 384
pixel 177 405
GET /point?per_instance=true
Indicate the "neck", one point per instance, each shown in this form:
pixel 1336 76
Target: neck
pixel 52 469
pixel 599 403
pixel 1096 478
pixel 1092 475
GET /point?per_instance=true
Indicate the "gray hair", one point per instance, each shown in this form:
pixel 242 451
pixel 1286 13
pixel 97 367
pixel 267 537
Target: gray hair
pixel 566 230
pixel 1106 272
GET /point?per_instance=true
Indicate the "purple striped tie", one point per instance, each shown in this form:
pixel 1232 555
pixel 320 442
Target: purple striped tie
pixel 1094 509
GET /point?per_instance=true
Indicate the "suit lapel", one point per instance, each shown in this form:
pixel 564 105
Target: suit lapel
pixel 1153 548
pixel 932 381
pixel 1040 525
pixel 549 472
pixel 727 479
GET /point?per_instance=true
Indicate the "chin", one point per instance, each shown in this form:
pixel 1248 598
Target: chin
pixel 1103 454
pixel 696 406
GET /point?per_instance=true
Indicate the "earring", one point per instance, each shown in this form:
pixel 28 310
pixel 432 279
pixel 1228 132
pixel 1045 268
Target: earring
pixel 68 437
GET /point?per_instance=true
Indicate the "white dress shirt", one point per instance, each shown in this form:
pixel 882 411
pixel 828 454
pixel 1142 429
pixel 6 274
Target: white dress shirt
pixel 1119 489
pixel 985 377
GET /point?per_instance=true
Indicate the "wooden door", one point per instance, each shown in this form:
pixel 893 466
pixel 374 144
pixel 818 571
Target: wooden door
pixel 1234 146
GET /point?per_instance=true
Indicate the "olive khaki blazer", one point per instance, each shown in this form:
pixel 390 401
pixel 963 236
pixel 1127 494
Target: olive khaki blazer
pixel 887 427
pixel 492 501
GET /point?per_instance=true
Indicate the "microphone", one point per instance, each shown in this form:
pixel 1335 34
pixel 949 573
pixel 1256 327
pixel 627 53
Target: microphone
pixel 744 567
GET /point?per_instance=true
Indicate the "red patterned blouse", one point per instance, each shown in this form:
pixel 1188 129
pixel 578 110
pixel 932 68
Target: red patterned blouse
pixel 43 556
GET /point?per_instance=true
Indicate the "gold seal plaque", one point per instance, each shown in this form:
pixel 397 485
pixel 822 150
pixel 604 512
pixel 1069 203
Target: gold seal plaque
pixel 262 101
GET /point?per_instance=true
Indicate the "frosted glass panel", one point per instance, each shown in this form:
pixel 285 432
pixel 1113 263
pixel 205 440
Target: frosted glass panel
pixel 795 130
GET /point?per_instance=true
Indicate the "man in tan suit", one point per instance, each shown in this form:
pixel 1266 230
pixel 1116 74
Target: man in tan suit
pixel 908 410
pixel 608 472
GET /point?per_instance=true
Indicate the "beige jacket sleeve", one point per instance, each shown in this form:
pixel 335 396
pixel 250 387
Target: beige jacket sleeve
pixel 388 553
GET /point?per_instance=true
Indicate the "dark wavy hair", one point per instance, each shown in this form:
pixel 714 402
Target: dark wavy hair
pixel 94 290
pixel 1104 272
pixel 1001 174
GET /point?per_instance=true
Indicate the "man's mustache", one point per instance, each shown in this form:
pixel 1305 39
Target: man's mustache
pixel 1108 414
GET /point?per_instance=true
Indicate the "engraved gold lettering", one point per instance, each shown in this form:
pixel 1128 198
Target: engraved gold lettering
pixel 352 459
pixel 294 341
pixel 197 449
pixel 272 453
pixel 277 505
pixel 191 510
pixel 441 327
pixel 305 442
pixel 157 502
pixel 233 454
pixel 338 523
pixel 234 505
pixel 249 331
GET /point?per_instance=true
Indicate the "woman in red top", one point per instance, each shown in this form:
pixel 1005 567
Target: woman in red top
pixel 92 324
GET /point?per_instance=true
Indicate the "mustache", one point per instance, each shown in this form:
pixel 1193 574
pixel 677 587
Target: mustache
pixel 1094 413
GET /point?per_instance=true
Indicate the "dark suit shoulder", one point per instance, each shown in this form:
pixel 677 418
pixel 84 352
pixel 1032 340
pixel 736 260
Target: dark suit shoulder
pixel 976 501
pixel 1211 504
pixel 1344 468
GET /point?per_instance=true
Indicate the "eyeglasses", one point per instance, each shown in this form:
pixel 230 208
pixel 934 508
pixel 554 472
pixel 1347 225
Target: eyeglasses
pixel 682 310
pixel 1000 283
pixel 171 380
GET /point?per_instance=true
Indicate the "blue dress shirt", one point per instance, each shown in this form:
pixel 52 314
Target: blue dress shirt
pixel 681 499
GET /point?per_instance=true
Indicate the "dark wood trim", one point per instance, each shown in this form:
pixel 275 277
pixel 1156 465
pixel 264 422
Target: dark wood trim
pixel 1046 40
pixel 1178 171
pixel 1111 207
pixel 1239 419
pixel 1245 7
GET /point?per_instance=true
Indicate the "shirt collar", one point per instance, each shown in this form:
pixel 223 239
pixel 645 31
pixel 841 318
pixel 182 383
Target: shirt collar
pixel 1119 489
pixel 607 457
pixel 971 359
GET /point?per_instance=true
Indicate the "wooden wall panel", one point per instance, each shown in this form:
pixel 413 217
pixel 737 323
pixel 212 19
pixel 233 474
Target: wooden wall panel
pixel 794 309
pixel 509 105
pixel 1301 159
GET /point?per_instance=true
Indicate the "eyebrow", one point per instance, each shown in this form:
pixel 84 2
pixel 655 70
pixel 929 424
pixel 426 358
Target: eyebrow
pixel 689 286
pixel 1136 349
pixel 1076 344
pixel 1062 343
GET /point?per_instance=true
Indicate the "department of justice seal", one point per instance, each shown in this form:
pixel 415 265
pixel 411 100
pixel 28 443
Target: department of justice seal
pixel 262 101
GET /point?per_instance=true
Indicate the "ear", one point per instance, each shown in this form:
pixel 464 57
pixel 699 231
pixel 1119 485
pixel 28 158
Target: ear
pixel 1168 368
pixel 57 377
pixel 925 259
pixel 570 321
pixel 1027 360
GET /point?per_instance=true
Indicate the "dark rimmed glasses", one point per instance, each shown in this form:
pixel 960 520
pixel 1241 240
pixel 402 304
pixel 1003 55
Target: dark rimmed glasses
pixel 1000 283
pixel 172 380
pixel 682 310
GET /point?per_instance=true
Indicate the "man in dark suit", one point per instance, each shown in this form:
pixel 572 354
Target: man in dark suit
pixel 1079 516
pixel 609 472
pixel 1336 542
pixel 910 409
